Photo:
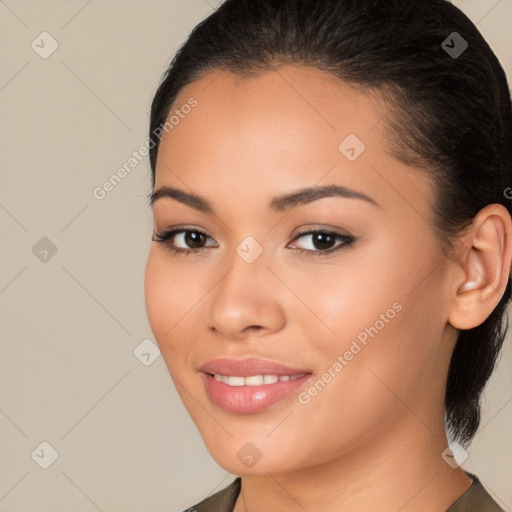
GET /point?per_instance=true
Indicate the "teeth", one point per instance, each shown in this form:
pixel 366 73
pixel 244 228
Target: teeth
pixel 270 379
pixel 255 380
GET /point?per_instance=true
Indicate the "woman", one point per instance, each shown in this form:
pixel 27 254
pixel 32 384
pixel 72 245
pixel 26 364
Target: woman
pixel 330 274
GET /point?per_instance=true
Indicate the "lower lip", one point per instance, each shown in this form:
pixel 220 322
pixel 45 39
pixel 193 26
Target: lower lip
pixel 250 399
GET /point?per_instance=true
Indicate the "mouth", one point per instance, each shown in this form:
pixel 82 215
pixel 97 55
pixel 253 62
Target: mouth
pixel 250 385
pixel 254 380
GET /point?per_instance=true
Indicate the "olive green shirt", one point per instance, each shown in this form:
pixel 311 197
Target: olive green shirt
pixel 475 499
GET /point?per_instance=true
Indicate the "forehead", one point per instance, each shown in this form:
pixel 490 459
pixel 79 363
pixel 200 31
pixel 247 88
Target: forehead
pixel 283 113
pixel 306 98
pixel 277 129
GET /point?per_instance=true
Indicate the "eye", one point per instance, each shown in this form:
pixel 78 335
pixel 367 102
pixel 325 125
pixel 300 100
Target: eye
pixel 323 242
pixel 189 241
pixel 182 240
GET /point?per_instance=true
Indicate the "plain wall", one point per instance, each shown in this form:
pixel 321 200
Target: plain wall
pixel 70 324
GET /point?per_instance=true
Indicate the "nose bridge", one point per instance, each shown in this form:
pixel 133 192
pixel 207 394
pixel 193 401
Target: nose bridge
pixel 247 268
pixel 241 298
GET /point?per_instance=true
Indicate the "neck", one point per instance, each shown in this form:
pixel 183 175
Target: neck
pixel 408 477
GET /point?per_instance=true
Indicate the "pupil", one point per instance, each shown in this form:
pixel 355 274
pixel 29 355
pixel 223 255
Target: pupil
pixel 322 240
pixel 193 237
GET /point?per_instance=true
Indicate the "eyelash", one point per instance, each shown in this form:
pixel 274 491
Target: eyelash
pixel 166 237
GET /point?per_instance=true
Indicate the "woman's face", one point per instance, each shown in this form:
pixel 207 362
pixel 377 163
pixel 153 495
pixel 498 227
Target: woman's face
pixel 351 320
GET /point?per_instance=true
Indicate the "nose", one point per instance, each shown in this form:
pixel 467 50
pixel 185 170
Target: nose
pixel 242 304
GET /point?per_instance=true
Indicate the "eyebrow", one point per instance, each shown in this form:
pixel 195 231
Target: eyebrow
pixel 278 204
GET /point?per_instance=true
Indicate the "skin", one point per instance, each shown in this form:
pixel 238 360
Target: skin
pixel 373 437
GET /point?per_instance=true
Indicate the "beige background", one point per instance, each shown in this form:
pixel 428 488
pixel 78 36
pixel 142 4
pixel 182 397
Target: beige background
pixel 68 374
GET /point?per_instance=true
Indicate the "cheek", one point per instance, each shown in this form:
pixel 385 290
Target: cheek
pixel 166 296
pixel 156 298
pixel 344 298
pixel 375 302
pixel 173 293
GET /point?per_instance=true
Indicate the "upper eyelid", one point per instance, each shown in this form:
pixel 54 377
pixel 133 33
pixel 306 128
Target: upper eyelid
pixel 306 231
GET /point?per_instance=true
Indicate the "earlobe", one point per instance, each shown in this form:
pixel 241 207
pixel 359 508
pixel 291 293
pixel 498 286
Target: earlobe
pixel 485 267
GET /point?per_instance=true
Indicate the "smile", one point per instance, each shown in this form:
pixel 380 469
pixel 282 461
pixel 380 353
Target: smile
pixel 255 380
pixel 253 393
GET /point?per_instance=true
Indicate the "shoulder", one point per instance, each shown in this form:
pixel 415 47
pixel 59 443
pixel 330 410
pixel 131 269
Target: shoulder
pixel 475 499
pixel 222 501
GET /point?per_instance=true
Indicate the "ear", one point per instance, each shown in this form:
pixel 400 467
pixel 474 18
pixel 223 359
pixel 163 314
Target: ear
pixel 483 269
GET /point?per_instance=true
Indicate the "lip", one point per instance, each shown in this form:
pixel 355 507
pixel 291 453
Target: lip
pixel 247 367
pixel 249 399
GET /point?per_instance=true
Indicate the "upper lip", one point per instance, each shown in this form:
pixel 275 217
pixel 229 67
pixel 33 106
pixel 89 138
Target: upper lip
pixel 247 367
